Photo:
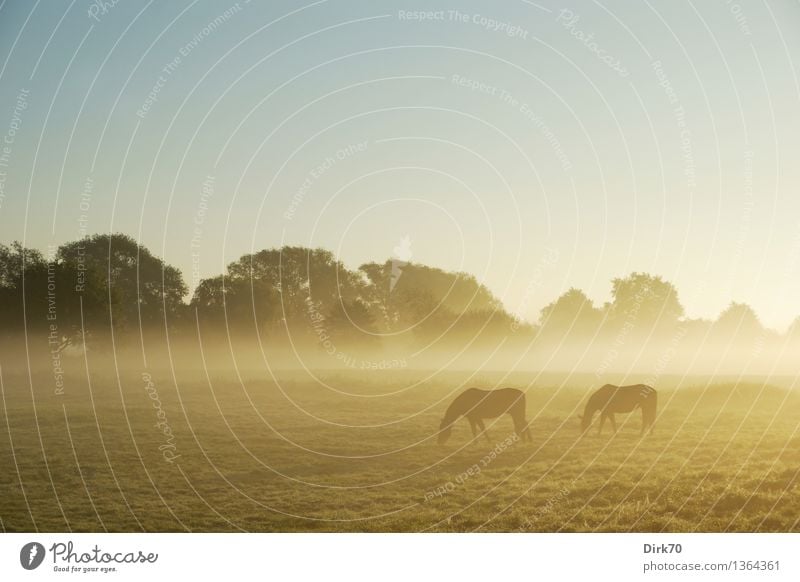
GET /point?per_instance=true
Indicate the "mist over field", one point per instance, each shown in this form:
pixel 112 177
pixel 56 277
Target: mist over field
pixel 293 394
pixel 297 308
pixel 356 451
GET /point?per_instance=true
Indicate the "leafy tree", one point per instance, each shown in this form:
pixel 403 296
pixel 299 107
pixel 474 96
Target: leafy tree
pixel 297 274
pixel 572 313
pixel 644 302
pixel 124 278
pixel 404 294
pixel 23 288
pixel 236 302
pixel 352 323
pixel 14 260
pixel 738 319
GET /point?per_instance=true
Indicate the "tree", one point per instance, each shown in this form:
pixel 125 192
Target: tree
pixel 352 324
pixel 114 272
pixel 297 274
pixel 23 288
pixel 237 303
pixel 738 319
pixel 409 294
pixel 14 260
pixel 573 313
pixel 644 302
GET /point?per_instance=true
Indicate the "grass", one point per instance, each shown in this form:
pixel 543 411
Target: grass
pixel 299 455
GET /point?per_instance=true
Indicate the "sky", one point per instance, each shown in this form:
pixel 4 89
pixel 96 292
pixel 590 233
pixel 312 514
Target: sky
pixel 538 146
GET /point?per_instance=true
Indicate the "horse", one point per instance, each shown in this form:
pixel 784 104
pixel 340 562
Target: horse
pixel 610 400
pixel 476 404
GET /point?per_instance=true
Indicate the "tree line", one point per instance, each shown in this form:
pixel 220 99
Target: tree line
pixel 110 282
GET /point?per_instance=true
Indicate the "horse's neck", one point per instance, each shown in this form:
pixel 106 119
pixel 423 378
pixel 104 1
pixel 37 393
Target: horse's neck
pixel 451 415
pixel 591 407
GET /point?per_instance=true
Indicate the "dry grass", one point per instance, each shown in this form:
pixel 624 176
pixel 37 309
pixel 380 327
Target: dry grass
pixel 253 457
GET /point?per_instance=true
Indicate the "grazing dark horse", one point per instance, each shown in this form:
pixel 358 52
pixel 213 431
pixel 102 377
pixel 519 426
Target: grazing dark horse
pixel 610 400
pixel 476 404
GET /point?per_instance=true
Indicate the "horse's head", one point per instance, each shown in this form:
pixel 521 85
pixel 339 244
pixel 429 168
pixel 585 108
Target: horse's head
pixel 445 428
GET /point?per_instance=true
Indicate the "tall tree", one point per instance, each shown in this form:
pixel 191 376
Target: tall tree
pixel 738 319
pixel 135 286
pixel 644 302
pixel 238 303
pixel 406 293
pixel 298 274
pixel 23 288
pixel 573 313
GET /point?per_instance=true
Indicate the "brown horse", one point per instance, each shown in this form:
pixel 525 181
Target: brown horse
pixel 476 404
pixel 610 400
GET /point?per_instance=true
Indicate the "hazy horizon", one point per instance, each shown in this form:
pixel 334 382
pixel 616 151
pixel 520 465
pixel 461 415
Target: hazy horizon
pixel 531 319
pixel 493 138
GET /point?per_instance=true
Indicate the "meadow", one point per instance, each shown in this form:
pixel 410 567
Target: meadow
pixel 213 450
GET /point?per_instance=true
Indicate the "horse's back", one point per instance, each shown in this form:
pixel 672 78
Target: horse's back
pixel 493 402
pixel 510 396
pixel 473 395
pixel 623 398
pixel 639 389
pixel 511 393
pixel 642 391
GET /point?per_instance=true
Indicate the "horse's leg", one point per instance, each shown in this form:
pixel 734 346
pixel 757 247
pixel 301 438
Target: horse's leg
pixel 473 426
pixel 613 422
pixel 645 424
pixel 602 421
pixel 483 429
pixel 647 427
pixel 519 426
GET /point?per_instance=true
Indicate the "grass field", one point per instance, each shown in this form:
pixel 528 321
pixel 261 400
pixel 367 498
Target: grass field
pixel 358 453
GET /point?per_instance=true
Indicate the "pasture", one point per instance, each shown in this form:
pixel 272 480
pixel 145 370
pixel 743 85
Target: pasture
pixel 190 451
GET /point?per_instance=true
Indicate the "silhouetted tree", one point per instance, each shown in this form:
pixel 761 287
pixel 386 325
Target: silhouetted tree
pixel 352 323
pixel 23 288
pixel 738 319
pixel 121 282
pixel 404 294
pixel 297 274
pixel 239 303
pixel 644 302
pixel 573 313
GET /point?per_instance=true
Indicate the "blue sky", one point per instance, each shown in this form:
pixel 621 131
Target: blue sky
pixel 538 146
